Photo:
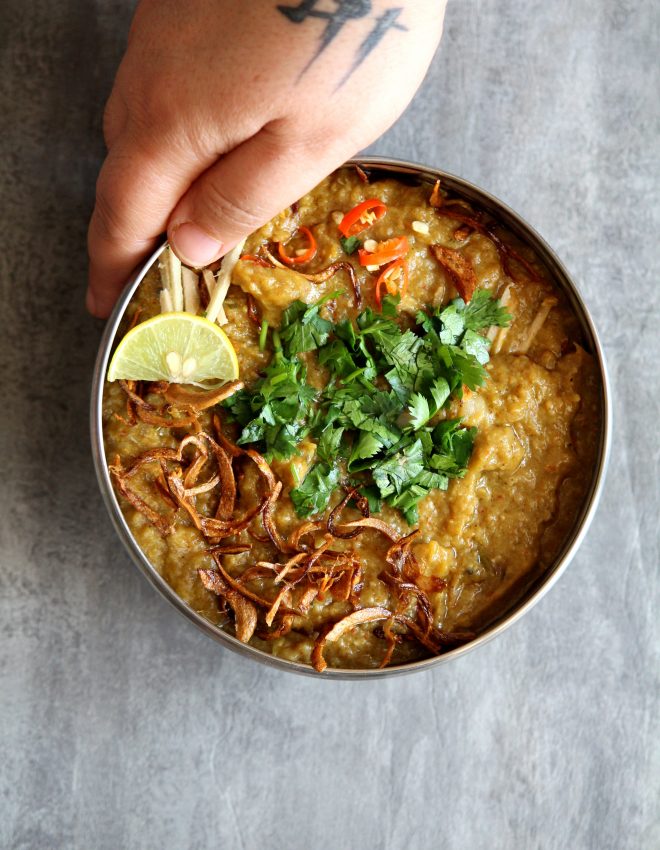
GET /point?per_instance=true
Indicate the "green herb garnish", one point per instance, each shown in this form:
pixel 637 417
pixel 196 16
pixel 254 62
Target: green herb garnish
pixel 350 244
pixel 263 334
pixel 377 419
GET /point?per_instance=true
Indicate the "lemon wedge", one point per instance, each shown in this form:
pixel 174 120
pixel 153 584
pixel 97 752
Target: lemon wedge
pixel 177 347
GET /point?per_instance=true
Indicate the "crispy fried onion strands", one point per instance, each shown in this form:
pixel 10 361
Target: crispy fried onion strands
pixel 324 274
pixel 312 563
pixel 244 611
pixel 179 487
pixel 377 524
pixel 269 524
pixel 253 310
pixel 199 399
pixel 163 523
pixel 239 587
pixel 130 388
pixel 302 531
pixel 180 400
pixel 362 615
pixel 399 553
pixel 362 505
pixel 138 408
pixel 459 269
pixel 506 252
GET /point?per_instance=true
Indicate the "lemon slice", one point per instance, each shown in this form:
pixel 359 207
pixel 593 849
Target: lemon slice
pixel 177 347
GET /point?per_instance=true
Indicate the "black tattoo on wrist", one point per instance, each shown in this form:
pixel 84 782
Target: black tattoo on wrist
pixel 338 13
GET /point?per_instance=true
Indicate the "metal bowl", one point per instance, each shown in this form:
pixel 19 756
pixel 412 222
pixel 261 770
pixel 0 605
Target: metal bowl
pixel 537 589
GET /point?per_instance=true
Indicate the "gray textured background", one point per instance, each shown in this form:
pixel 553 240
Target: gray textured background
pixel 121 725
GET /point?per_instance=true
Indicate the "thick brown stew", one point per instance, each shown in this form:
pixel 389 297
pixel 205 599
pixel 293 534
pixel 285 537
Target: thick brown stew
pixel 353 588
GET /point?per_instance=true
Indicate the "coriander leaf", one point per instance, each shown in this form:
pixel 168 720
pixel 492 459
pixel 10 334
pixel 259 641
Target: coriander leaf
pixel 419 411
pixel 483 311
pixel 431 480
pixel 283 440
pixel 303 329
pixel 476 345
pixel 349 244
pixel 405 351
pixel 462 444
pixel 400 469
pixel 440 392
pixel 253 432
pixel 453 324
pixel 360 413
pixel 328 448
pixel 389 305
pixel 424 365
pixel 239 407
pixel 460 367
pixel 381 404
pixel 274 414
pixel 357 347
pixel 366 446
pixel 424 436
pixel 398 386
pixel 445 464
pixel 443 432
pixel 425 321
pixel 313 495
pixel 336 356
pixel 407 502
pixel 454 441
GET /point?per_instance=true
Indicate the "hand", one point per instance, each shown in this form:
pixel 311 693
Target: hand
pixel 224 112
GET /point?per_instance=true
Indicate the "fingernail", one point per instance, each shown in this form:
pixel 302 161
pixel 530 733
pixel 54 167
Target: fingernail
pixel 194 246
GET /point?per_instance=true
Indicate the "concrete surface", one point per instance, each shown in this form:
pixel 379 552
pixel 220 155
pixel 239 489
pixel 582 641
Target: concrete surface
pixel 121 726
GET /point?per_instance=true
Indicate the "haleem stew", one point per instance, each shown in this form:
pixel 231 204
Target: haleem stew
pixel 358 440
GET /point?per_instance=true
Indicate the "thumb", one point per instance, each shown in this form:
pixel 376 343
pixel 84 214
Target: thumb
pixel 240 193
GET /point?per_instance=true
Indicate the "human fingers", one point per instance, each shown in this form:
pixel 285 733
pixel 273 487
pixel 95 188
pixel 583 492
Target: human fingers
pixel 243 190
pixel 135 193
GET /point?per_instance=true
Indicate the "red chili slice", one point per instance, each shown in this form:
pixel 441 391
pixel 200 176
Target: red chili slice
pixel 306 256
pixel 253 258
pixel 362 216
pixel 394 281
pixel 386 252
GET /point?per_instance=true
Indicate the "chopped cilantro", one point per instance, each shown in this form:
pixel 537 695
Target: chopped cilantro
pixel 303 328
pixel 379 416
pixel 263 335
pixel 328 448
pixel 483 311
pixel 350 244
pixel 273 413
pixel 313 495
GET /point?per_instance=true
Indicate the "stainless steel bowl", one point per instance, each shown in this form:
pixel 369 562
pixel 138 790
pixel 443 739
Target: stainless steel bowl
pixel 537 589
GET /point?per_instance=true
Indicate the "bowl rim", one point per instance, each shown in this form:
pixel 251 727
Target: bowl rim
pixel 539 586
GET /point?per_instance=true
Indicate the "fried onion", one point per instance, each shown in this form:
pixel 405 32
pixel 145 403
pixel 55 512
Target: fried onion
pixel 244 610
pixel 199 399
pixel 436 199
pixel 253 310
pixel 162 523
pixel 267 519
pixel 362 505
pixel 239 587
pixel 376 524
pixel 129 387
pixel 325 274
pixel 357 618
pixel 399 552
pixel 506 252
pixel 459 269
